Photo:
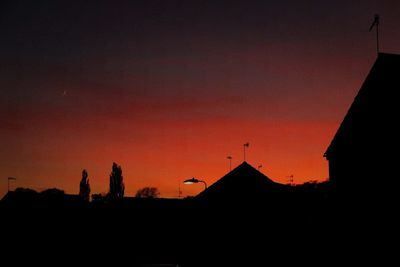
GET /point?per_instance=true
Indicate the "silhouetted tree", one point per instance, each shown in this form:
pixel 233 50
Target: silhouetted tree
pixel 148 192
pixel 117 186
pixel 53 191
pixel 24 190
pixel 84 186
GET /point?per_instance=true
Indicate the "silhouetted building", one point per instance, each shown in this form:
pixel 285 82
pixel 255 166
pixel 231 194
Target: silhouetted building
pixel 242 184
pixel 363 158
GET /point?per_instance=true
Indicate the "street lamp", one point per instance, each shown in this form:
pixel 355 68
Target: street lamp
pixel 195 181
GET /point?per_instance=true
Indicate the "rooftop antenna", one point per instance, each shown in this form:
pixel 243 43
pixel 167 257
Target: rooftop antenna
pixel 244 150
pixel 291 179
pixel 8 182
pixel 230 162
pixel 375 24
pixel 179 190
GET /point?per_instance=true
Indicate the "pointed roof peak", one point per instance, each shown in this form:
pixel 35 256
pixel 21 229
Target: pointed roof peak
pixel 373 105
pixel 243 166
pixel 241 182
pixel 244 163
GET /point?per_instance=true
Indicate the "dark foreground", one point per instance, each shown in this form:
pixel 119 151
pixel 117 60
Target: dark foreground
pixel 155 232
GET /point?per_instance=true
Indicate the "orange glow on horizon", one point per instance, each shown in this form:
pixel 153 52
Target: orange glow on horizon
pixel 165 157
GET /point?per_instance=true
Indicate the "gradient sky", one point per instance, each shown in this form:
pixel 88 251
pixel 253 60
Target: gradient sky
pixel 169 89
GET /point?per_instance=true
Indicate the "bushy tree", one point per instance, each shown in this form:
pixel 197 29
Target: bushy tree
pixel 25 190
pixel 53 191
pixel 148 192
pixel 117 187
pixel 84 186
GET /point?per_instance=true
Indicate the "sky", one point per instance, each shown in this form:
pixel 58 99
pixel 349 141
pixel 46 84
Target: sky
pixel 169 89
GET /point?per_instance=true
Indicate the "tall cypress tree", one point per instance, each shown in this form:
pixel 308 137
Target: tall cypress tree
pixel 84 186
pixel 117 186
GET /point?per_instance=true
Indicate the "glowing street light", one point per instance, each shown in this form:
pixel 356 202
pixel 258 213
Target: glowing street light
pixel 195 181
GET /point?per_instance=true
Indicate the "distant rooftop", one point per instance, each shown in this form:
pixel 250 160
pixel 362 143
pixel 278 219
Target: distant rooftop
pixel 242 182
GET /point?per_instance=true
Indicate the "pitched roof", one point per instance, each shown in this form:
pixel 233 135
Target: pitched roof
pixel 373 109
pixel 243 182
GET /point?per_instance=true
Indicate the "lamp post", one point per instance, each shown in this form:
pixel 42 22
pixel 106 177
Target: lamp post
pixel 195 181
pixel 8 182
pixel 230 162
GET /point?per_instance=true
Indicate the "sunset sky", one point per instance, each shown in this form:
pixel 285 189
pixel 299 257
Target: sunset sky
pixel 169 89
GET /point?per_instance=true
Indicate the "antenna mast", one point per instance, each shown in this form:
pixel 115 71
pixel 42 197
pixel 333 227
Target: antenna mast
pixel 375 24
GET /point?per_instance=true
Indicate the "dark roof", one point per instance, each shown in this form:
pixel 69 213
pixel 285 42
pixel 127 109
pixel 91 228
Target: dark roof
pixel 373 113
pixel 32 198
pixel 18 197
pixel 243 182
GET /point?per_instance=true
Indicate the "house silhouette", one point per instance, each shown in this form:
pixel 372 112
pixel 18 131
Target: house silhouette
pixel 242 184
pixel 363 157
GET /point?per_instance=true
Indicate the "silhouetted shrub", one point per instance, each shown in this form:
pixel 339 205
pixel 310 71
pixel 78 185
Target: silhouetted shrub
pixel 148 192
pixel 24 190
pixel 53 191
